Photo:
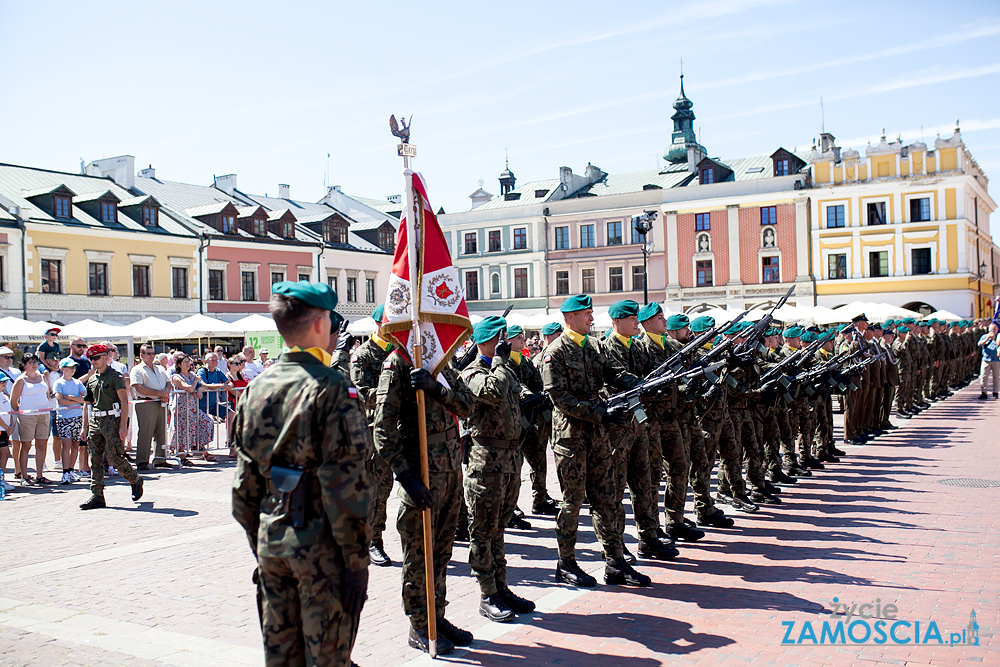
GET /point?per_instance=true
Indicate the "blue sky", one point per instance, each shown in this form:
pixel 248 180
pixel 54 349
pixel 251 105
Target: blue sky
pixel 265 90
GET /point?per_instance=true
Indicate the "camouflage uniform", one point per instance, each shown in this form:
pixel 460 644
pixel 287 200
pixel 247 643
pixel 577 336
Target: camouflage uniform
pixel 102 432
pixel 535 438
pixel 742 403
pixel 492 472
pixel 366 366
pixel 300 413
pixel 824 411
pixel 573 374
pixel 397 441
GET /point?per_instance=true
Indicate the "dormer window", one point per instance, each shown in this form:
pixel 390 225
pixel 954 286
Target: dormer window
pixel 228 224
pixel 386 239
pixel 62 207
pixel 781 167
pixel 334 233
pixel 109 211
pixel 259 227
pixel 288 230
pixel 150 216
pixel 707 176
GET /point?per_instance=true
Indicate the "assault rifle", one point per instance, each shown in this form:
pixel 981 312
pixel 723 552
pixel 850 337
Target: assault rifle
pixel 632 398
pixel 677 359
pixel 469 355
pixel 752 340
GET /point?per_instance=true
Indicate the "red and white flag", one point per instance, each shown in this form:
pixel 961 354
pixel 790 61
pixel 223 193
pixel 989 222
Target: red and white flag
pixel 440 303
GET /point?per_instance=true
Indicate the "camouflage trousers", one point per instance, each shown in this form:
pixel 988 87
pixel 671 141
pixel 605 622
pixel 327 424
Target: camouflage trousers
pixel 445 488
pixel 303 613
pixel 719 436
pixel 904 393
pixel 103 441
pixel 807 427
pixel 491 498
pixel 824 425
pixel 533 449
pixel 584 466
pixel 704 451
pixel 746 432
pixel 380 486
pixel 781 415
pixel 630 453
pixel 675 448
pixel 769 434
pixel 886 408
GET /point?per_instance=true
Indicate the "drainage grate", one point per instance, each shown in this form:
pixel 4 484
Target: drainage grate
pixel 975 483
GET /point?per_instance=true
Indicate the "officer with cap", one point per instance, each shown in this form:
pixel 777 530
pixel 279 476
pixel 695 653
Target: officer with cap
pixel 630 441
pixel 366 366
pixel 301 494
pixel 574 370
pixel 492 470
pixel 105 427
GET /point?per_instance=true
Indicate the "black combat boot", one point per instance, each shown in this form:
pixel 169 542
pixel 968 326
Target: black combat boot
pixel 517 603
pixel 137 489
pixel 461 532
pixel 627 555
pixel 495 608
pixel 717 519
pixel 652 548
pixel 418 640
pixel 518 523
pixel 620 573
pixel 837 452
pixel 455 635
pixel 377 553
pixel 744 504
pixel 96 502
pixel 682 531
pixel 570 572
pixel 545 507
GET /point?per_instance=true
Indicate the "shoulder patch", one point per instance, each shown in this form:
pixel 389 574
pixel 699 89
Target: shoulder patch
pixel 387 363
pixel 547 358
pixel 352 392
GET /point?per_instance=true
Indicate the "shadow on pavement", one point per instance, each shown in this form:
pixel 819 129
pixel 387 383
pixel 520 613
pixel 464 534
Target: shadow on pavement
pixel 729 597
pixel 147 508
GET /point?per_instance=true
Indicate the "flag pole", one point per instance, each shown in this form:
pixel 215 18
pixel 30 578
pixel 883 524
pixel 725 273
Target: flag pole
pixel 414 236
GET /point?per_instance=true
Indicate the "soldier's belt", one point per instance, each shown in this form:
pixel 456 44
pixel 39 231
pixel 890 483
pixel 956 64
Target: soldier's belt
pixel 438 438
pixel 106 413
pixel 495 443
pixel 585 395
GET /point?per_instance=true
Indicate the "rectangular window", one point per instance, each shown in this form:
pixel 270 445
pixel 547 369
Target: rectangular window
pixel 470 244
pixel 562 238
pixel 586 236
pixel 837 266
pixel 61 206
pixel 288 230
pixel 228 224
pixel 216 285
pixel 248 285
pixel 920 209
pixel 704 271
pixel 3 276
pixel 615 281
pixel 520 283
pixel 562 283
pixel 150 216
pixel 768 215
pixel 494 239
pixel 587 282
pixel 520 238
pixel 638 278
pixel 179 282
pixel 259 227
pixel 277 277
pixel 876 213
pixel 878 264
pixel 835 216
pixel 140 280
pixel 707 176
pixel 781 167
pixel 472 286
pixel 369 290
pixel 702 222
pixel 637 236
pixel 51 276
pixel 769 270
pixel 332 282
pixel 921 260
pixel 97 279
pixel 352 289
pixel 615 233
pixel 386 238
pixel 109 212
pixel 305 276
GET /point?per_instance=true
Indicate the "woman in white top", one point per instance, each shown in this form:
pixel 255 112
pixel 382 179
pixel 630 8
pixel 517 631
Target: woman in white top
pixel 31 392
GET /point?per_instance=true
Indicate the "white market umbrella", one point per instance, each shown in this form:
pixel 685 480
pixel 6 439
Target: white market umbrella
pixel 147 327
pixel 198 326
pixel 93 330
pixel 255 322
pixel 13 327
pixel 945 315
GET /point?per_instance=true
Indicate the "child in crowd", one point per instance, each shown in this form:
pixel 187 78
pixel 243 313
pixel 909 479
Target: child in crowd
pixel 70 393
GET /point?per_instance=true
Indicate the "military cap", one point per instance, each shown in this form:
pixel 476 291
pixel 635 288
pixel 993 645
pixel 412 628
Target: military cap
pixel 934 320
pixel 808 336
pixel 877 325
pixel 908 320
pixel 317 295
pixel 488 329
pixel 903 329
pixel 923 323
pixel 679 321
pixel 771 331
pixel 814 329
pixel 575 303
pixel 551 328
pixel 96 350
pixel 859 318
pixel 702 324
pixel 336 319
pixel 888 331
pixel 845 327
pixel 623 308
pixel 793 332
pixel 956 324
pixel 734 328
pixel 378 312
pixel 718 339
pixel 514 330
pixel 649 310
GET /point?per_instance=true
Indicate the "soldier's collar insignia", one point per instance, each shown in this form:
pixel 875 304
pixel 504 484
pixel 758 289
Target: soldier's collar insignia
pixel 624 340
pixel 659 339
pixel 516 357
pixel 579 339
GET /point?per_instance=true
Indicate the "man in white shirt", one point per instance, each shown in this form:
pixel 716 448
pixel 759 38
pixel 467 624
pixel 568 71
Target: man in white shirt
pixel 152 389
pixel 252 368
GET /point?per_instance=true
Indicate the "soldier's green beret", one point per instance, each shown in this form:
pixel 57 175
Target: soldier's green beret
pixel 908 320
pixel 718 339
pixel 702 324
pixel 514 330
pixel 675 322
pixel 623 308
pixel 317 295
pixel 575 303
pixel 956 324
pixel 734 328
pixel 377 313
pixel 845 327
pixel 336 319
pixel 903 329
pixel 649 310
pixel 860 318
pixel 488 329
pixel 551 328
pixel 934 320
pixel 923 323
pixel 771 331
pixel 807 336
pixel 888 323
pixel 793 332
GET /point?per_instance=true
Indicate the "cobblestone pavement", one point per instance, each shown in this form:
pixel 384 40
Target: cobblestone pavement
pixel 167 581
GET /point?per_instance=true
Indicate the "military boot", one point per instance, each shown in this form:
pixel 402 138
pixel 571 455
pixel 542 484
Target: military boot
pixel 682 531
pixel 517 603
pixel 518 522
pixel 570 572
pixel 377 553
pixel 96 502
pixel 137 489
pixel 652 548
pixel 495 608
pixel 620 573
pixel 545 507
pixel 455 634
pixel 461 532
pixel 627 555
pixel 418 640
pixel 744 504
pixel 716 519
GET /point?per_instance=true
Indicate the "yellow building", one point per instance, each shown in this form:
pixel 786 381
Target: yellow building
pixel 76 246
pixel 904 224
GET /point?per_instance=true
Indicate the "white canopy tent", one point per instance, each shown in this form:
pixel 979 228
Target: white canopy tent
pixel 16 329
pixel 255 322
pixel 945 315
pixel 147 327
pixel 198 326
pixel 93 330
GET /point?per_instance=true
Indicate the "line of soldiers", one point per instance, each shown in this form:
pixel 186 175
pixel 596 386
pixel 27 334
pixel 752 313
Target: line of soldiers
pixel 657 398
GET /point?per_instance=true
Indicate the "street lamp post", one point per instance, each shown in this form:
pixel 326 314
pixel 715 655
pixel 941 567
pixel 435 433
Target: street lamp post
pixel 644 224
